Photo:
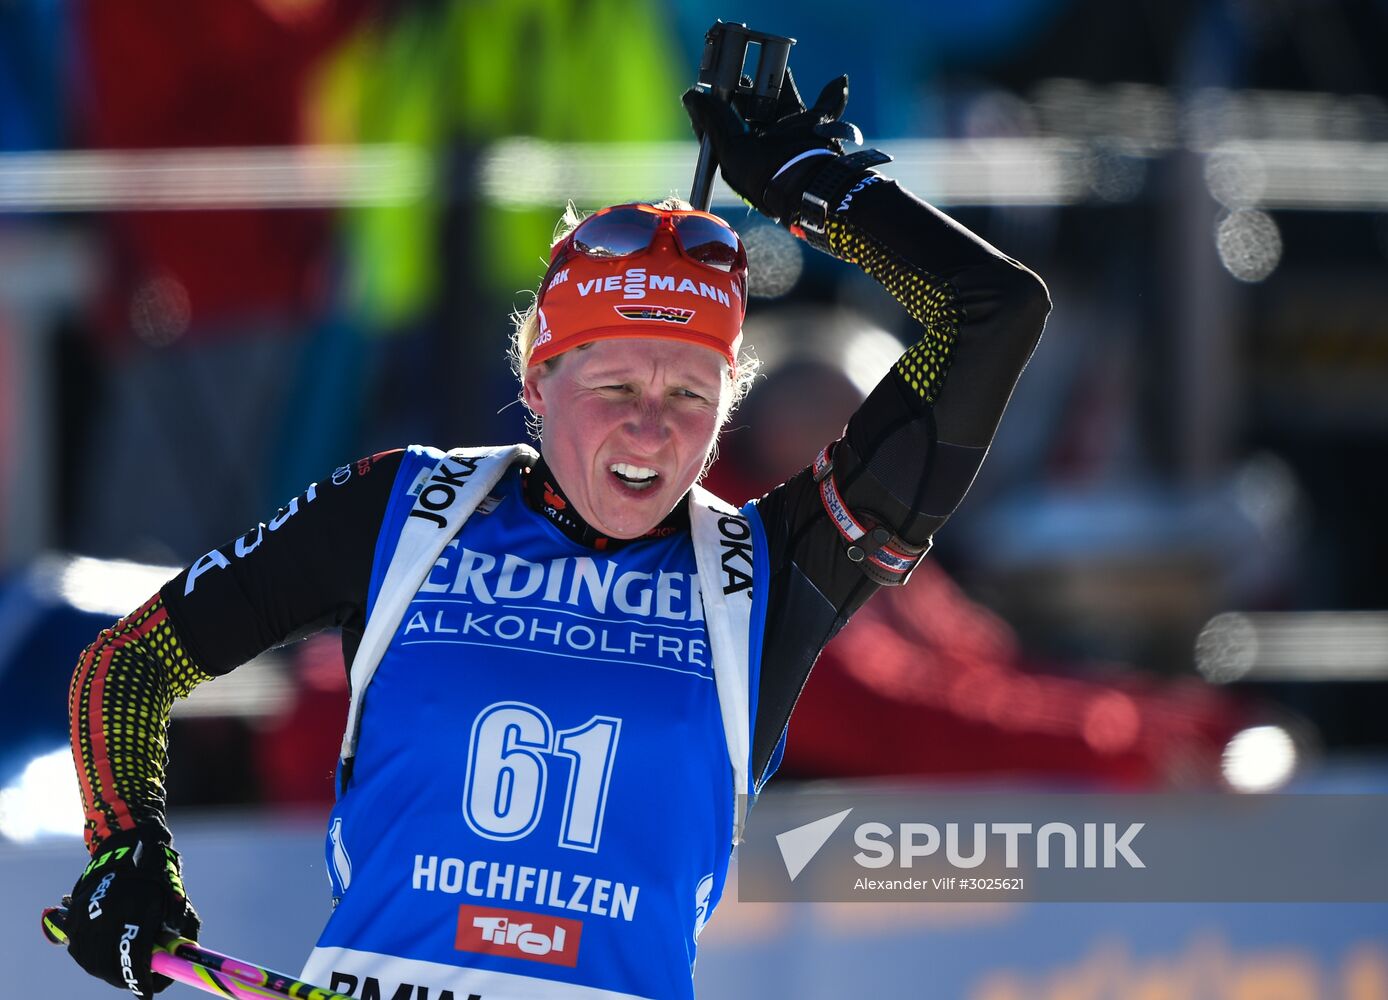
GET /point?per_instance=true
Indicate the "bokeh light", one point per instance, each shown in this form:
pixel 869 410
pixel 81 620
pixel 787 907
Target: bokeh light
pixel 43 801
pixel 1226 648
pixel 160 310
pixel 774 260
pixel 1249 244
pixel 1259 759
pixel 1235 176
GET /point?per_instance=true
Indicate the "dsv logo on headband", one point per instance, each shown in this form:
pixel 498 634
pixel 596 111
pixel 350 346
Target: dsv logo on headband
pixel 664 314
pixel 634 282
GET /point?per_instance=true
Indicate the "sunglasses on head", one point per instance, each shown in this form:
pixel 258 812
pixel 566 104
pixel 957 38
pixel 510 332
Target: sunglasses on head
pixel 624 230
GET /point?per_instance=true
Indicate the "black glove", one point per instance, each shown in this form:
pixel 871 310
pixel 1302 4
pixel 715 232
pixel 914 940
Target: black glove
pixel 751 155
pixel 129 896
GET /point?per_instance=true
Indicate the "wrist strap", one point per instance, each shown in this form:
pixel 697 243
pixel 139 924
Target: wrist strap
pixel 884 558
pixel 827 188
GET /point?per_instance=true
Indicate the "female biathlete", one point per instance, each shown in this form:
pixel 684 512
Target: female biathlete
pixel 571 670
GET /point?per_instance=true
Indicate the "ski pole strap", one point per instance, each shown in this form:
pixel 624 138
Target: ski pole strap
pixel 827 192
pixel 186 962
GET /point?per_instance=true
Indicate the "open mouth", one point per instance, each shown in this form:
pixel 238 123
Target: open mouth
pixel 635 477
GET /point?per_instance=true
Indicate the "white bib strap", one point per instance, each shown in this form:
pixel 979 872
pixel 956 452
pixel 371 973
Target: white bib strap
pixel 444 498
pixel 723 552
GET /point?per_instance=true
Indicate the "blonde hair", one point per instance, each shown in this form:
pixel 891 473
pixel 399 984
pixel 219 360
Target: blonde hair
pixel 525 324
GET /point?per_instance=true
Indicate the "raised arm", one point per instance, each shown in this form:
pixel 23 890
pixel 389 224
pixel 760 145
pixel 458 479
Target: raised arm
pixel 866 511
pixel 916 443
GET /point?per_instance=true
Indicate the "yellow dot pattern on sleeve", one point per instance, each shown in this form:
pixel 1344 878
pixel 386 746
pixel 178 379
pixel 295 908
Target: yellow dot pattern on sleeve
pixel 929 300
pixel 119 704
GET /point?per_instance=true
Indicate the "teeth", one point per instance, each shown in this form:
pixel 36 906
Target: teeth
pixel 637 473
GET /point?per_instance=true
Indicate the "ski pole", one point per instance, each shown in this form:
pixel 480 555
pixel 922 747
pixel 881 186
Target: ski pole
pixel 184 961
pixel 720 71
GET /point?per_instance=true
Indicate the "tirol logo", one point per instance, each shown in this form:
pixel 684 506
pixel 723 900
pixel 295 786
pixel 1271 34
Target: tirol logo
pixel 516 934
pixel 442 489
pixel 661 314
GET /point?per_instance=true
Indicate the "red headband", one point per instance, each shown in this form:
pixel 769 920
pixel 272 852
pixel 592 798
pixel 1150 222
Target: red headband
pixel 656 292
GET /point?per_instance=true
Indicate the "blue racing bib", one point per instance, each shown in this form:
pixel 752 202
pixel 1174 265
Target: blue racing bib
pixel 540 803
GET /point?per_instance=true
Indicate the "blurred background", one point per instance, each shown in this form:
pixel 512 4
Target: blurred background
pixel 245 242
